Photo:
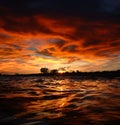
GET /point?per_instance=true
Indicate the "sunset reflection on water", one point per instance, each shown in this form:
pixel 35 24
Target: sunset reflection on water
pixel 26 101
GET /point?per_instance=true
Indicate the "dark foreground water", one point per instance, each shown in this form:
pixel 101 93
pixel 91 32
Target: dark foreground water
pixel 59 101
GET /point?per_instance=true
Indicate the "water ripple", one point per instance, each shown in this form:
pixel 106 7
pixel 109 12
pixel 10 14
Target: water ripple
pixel 51 101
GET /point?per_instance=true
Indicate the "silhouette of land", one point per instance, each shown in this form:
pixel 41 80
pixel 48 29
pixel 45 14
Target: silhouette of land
pixel 74 74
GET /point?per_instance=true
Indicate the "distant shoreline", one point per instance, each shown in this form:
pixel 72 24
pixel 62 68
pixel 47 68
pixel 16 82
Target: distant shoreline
pixel 79 75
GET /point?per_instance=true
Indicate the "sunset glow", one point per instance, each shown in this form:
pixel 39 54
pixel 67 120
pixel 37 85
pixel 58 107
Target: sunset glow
pixel 61 72
pixel 43 34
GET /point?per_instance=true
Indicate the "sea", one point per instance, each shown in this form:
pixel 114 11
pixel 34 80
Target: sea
pixel 59 100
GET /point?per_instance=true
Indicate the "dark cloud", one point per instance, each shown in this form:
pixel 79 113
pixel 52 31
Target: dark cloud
pixel 4 36
pixel 14 46
pixel 70 48
pixel 18 16
pixel 45 52
pixel 91 43
pixel 115 44
pixel 24 25
pixel 58 42
pixel 52 49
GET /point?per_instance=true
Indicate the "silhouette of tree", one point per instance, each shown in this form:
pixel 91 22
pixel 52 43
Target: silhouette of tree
pixel 54 71
pixel 44 70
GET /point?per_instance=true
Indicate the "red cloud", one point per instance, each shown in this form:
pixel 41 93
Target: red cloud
pixel 68 40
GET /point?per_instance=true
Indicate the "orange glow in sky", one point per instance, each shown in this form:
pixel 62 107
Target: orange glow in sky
pixel 30 40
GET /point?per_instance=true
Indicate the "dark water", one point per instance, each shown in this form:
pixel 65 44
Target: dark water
pixel 59 101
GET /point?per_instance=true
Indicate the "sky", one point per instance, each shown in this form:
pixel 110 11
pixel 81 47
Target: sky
pixel 66 35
